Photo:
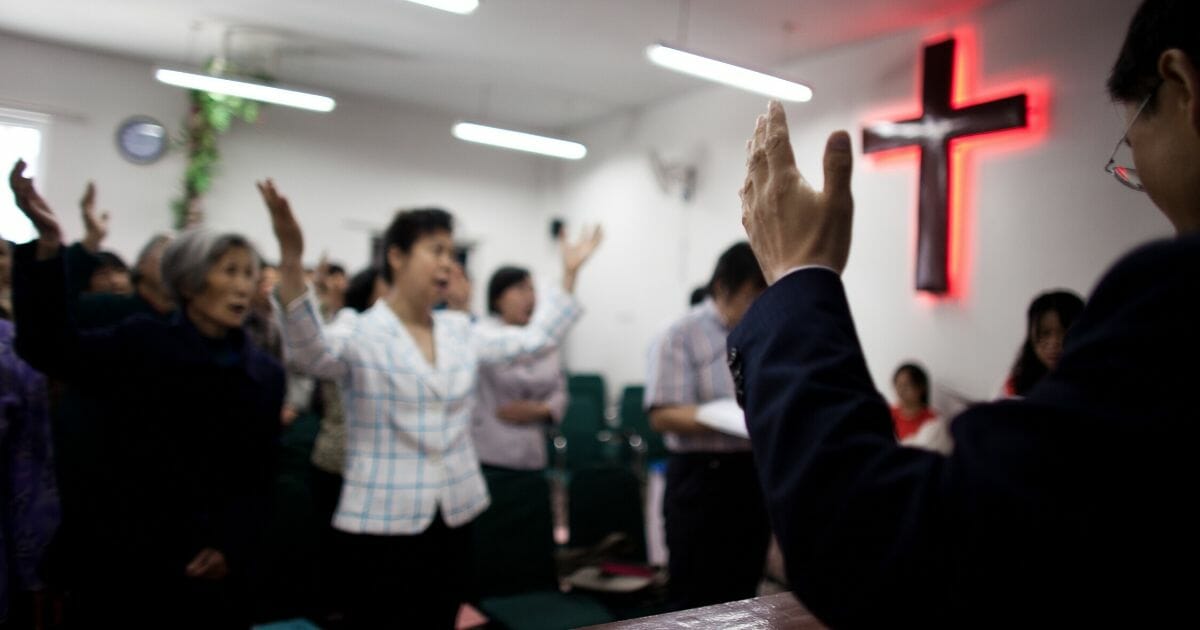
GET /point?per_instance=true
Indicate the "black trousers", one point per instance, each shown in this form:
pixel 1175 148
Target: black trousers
pixel 415 581
pixel 717 528
pixel 330 597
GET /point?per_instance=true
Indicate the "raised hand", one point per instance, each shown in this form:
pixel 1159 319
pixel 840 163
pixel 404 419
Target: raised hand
pixel 789 224
pixel 95 226
pixel 575 254
pixel 291 242
pixel 321 274
pixel 287 230
pixel 38 211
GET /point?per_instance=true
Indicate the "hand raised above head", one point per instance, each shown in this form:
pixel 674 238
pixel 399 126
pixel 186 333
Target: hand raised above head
pixel 291 242
pixel 287 229
pixel 788 222
pixel 36 208
pixel 95 225
pixel 577 253
pixel 321 273
pixel 574 255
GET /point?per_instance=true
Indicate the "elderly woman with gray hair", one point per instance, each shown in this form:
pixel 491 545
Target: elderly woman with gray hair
pixel 195 412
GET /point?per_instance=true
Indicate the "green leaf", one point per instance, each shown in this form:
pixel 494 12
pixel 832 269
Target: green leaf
pixel 211 116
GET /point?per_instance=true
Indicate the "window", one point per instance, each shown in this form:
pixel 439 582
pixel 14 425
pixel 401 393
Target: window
pixel 21 136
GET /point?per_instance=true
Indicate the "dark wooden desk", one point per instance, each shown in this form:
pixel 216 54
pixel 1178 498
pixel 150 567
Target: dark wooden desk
pixel 773 612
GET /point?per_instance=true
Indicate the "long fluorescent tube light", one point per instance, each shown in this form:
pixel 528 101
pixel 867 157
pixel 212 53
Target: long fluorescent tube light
pixel 727 73
pixel 245 89
pixel 519 141
pixel 462 7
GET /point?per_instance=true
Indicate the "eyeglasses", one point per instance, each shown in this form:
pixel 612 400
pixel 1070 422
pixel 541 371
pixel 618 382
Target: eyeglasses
pixel 1126 174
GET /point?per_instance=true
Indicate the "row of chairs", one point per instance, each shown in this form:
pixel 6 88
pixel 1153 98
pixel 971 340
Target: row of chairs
pixel 516 575
pixel 518 565
pixel 600 457
pixel 589 436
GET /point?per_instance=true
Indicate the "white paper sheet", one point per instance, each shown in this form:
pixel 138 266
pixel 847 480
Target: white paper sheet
pixel 724 415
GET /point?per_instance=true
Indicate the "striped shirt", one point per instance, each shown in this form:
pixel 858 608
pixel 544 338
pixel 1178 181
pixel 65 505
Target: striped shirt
pixel 408 445
pixel 688 367
pixel 516 445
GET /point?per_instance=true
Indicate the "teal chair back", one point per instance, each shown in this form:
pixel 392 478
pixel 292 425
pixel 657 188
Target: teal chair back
pixel 635 421
pixel 590 386
pixel 581 428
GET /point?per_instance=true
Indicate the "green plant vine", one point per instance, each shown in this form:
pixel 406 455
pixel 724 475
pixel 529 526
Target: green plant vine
pixel 209 116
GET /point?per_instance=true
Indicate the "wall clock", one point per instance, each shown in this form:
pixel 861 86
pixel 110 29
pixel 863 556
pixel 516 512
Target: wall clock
pixel 141 139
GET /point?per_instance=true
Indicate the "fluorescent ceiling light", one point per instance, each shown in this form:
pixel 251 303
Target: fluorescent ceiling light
pixel 727 73
pixel 454 6
pixel 245 89
pixel 519 141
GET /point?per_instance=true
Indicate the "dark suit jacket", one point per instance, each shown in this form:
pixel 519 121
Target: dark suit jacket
pixel 1076 504
pixel 84 440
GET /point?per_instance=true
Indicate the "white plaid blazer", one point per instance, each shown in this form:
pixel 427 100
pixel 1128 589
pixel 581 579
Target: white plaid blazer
pixel 408 445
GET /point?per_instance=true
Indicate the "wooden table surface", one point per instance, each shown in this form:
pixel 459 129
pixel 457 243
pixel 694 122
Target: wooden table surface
pixel 773 612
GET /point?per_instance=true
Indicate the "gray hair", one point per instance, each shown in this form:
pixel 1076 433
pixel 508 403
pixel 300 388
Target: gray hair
pixel 155 242
pixel 188 259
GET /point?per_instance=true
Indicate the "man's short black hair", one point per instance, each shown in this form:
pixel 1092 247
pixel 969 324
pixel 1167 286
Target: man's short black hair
pixel 735 268
pixel 106 260
pixel 336 270
pixel 1158 26
pixel 410 225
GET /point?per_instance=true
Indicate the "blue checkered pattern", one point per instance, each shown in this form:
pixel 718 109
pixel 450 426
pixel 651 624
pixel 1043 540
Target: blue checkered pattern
pixel 408 445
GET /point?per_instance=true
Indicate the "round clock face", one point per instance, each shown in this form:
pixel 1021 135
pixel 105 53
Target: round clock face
pixel 141 139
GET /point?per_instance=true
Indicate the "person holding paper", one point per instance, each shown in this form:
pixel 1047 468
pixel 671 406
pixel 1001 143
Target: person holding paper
pixel 716 522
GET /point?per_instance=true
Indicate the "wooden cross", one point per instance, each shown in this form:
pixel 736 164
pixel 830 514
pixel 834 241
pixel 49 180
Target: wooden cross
pixel 939 125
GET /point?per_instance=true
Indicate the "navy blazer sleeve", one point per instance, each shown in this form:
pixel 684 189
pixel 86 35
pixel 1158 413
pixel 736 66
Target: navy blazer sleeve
pixel 1033 514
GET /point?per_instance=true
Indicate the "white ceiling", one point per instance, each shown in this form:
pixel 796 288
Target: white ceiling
pixel 539 64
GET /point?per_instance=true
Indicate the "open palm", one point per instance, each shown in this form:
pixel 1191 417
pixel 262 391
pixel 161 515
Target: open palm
pixel 34 207
pixel 577 253
pixel 95 224
pixel 287 229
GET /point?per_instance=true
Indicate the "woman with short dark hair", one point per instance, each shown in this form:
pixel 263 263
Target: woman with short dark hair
pixel 516 401
pixel 407 372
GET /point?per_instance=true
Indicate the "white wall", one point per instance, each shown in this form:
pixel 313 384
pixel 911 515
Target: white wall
pixel 345 172
pixel 1045 216
pixel 87 95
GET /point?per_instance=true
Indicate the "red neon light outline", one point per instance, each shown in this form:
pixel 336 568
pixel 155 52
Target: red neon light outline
pixel 965 152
